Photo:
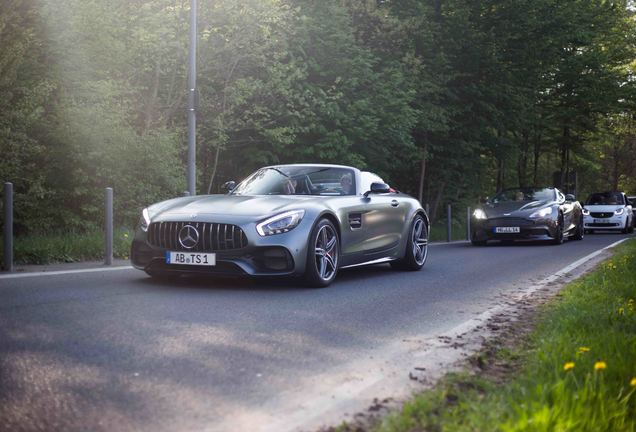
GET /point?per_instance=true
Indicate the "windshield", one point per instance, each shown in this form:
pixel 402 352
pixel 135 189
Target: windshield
pixel 605 198
pixel 524 194
pixel 298 180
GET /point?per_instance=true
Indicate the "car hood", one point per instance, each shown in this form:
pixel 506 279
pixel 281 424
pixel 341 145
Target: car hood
pixel 235 205
pixel 603 208
pixel 512 208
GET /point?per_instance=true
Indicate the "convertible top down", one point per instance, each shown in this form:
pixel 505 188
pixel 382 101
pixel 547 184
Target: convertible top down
pixel 285 220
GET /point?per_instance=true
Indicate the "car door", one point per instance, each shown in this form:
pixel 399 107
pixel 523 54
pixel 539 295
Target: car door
pixel 372 225
pixel 568 209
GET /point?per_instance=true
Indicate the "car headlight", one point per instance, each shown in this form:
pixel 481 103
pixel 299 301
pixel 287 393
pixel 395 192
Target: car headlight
pixel 619 211
pixel 281 223
pixel 547 211
pixel 586 212
pixel 479 214
pixel 145 220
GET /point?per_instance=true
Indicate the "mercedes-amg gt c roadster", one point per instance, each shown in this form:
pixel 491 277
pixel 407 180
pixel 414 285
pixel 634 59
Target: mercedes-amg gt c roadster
pixel 285 220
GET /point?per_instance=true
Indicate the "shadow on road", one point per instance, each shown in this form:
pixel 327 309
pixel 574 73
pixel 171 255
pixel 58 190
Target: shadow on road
pixel 358 274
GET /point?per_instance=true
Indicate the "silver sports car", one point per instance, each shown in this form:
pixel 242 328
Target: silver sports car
pixel 293 220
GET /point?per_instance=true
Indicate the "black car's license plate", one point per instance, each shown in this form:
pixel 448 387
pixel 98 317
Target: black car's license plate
pixel 507 230
pixel 191 258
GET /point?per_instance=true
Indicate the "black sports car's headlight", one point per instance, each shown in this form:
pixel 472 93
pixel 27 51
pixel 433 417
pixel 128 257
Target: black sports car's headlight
pixel 479 214
pixel 544 212
pixel 144 221
pixel 281 223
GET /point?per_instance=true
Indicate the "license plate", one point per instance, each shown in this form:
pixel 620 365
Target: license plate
pixel 507 230
pixel 600 220
pixel 190 258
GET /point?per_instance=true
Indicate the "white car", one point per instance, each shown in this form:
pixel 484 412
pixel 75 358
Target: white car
pixel 608 211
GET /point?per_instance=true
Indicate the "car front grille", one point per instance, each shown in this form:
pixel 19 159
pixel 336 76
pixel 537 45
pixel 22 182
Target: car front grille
pixel 602 215
pixel 212 236
pixel 509 221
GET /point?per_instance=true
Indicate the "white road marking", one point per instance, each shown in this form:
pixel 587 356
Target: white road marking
pixel 63 272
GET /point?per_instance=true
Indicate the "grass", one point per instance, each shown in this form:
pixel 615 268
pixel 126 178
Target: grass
pixel 439 230
pixel 574 371
pixel 68 247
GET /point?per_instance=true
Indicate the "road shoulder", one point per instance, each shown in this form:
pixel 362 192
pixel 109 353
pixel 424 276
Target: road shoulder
pixel 472 350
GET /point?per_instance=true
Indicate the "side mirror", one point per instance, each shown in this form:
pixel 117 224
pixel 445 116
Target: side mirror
pixel 483 200
pixel 378 188
pixel 570 198
pixel 229 186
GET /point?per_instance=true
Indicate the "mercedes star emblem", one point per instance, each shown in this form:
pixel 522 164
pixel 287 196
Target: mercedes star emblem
pixel 188 237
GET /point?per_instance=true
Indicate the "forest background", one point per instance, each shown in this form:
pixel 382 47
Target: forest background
pixel 448 100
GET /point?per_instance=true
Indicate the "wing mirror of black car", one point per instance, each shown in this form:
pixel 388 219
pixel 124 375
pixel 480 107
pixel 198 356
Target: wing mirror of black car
pixel 570 198
pixel 229 186
pixel 378 188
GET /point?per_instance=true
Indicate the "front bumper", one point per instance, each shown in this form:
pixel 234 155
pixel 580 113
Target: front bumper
pixel 250 261
pixel 610 223
pixel 277 255
pixel 529 229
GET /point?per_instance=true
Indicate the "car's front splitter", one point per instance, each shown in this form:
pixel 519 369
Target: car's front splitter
pixel 249 261
pixel 544 229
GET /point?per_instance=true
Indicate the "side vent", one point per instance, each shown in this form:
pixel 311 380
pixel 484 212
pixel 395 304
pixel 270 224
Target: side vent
pixel 355 220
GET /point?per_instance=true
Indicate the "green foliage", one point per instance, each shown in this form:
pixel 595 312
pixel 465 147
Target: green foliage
pixel 576 373
pixel 68 246
pixel 448 100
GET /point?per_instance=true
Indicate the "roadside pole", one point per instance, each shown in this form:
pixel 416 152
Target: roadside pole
pixel 108 252
pixel 192 93
pixel 8 227
pixel 449 227
pixel 467 223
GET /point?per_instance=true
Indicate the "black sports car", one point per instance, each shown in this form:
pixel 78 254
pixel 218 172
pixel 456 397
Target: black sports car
pixel 528 214
pixel 304 220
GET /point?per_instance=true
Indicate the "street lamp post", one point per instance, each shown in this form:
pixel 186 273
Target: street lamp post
pixel 192 113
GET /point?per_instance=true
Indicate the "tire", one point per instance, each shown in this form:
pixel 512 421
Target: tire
pixel 558 235
pixel 323 254
pixel 626 229
pixel 580 231
pixel 416 247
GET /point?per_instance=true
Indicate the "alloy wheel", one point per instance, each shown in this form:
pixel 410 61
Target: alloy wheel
pixel 419 241
pixel 326 252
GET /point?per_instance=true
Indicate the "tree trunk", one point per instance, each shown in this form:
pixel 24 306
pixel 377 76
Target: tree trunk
pixel 565 147
pixel 423 171
pixel 617 155
pixel 221 122
pixel 438 199
pixel 522 161
pixel 500 174
pixel 537 154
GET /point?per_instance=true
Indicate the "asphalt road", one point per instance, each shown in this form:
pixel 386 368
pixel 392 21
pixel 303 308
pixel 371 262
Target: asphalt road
pixel 117 351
